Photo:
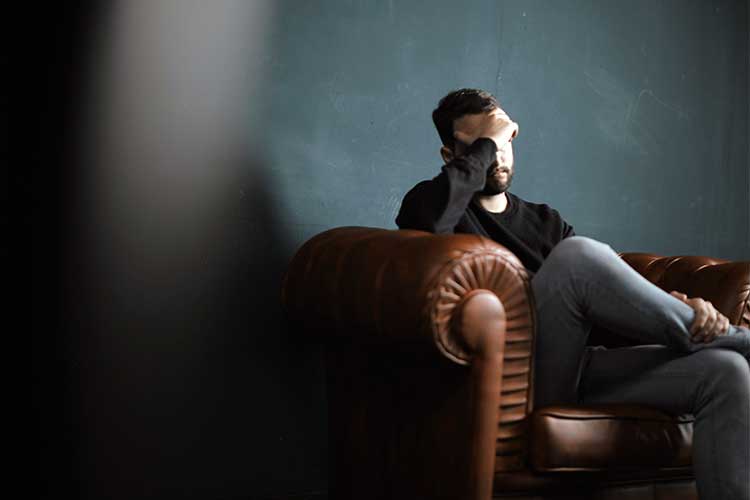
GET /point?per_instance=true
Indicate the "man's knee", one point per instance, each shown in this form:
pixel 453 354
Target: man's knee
pixel 726 372
pixel 580 248
pixel 572 263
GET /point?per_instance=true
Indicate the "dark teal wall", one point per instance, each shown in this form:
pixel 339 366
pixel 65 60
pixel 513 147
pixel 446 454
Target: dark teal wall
pixel 185 150
pixel 633 114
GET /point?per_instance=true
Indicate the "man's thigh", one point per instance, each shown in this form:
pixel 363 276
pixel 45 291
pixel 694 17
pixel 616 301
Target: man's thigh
pixel 650 375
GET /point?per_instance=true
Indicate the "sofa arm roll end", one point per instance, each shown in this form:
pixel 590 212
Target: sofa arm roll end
pixel 372 285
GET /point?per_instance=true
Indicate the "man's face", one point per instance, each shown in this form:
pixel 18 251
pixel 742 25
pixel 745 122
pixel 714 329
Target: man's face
pixel 500 174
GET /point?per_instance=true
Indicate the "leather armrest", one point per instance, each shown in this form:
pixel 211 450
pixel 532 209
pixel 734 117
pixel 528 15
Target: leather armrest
pixel 384 285
pixel 432 428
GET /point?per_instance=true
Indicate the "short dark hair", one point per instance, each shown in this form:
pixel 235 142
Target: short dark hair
pixel 457 104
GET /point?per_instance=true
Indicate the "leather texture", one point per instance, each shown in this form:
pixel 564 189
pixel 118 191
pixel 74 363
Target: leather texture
pixel 723 283
pixel 612 437
pixel 430 343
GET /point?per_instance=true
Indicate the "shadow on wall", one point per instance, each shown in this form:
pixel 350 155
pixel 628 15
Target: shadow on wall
pixel 183 372
pixel 179 377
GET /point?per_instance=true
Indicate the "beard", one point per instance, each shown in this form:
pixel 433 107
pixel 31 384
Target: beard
pixel 496 183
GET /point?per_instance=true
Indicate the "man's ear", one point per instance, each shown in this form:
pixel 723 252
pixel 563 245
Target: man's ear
pixel 447 154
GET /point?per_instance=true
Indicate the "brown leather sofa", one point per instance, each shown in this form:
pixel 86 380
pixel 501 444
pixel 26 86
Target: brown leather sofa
pixel 430 342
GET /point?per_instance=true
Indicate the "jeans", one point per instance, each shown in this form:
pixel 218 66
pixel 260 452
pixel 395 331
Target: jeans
pixel 582 283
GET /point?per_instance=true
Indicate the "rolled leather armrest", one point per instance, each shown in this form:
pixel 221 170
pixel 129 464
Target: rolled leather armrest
pixel 401 285
pixel 427 427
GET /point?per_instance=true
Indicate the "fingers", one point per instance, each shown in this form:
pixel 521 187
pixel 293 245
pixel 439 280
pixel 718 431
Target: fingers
pixel 503 131
pixel 720 328
pixel 678 295
pixel 494 124
pixel 708 332
pixel 515 131
pixel 463 137
pixel 724 327
pixel 701 316
pixel 708 322
pixel 499 112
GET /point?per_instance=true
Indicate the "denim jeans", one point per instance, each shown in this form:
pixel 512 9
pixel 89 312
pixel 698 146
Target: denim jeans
pixel 582 283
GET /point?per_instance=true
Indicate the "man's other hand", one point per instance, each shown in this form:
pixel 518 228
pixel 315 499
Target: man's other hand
pixel 708 322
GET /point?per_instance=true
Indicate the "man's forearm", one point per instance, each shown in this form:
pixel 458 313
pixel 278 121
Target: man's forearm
pixel 438 204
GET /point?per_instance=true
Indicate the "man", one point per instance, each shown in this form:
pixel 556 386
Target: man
pixel 691 360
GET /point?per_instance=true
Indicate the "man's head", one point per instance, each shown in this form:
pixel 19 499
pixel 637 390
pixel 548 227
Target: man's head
pixel 462 111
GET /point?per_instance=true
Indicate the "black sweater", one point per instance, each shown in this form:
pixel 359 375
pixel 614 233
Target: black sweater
pixel 445 204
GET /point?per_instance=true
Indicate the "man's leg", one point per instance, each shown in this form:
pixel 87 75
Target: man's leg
pixel 584 282
pixel 712 384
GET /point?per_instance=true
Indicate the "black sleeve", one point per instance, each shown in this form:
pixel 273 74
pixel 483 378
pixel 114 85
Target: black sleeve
pixel 438 204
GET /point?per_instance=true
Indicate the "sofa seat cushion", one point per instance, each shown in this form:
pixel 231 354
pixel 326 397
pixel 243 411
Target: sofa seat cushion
pixel 609 438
